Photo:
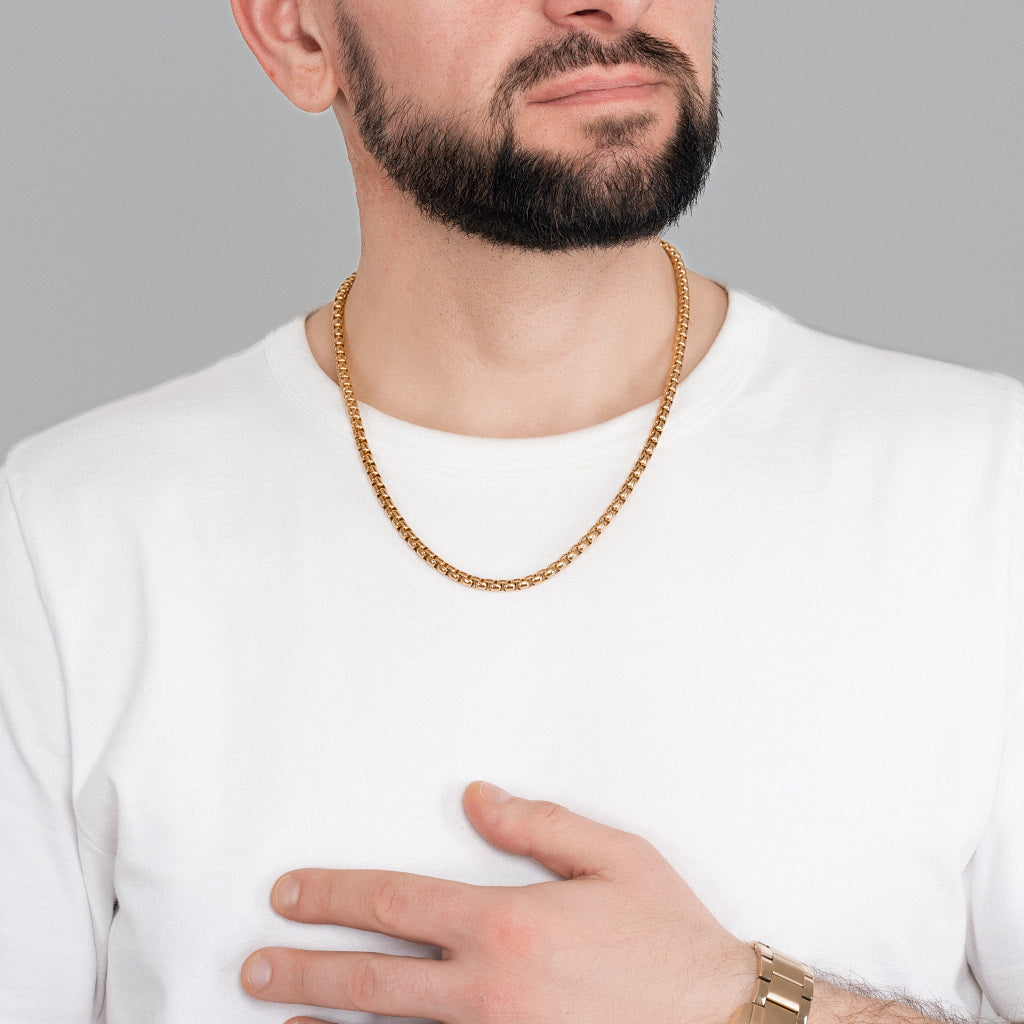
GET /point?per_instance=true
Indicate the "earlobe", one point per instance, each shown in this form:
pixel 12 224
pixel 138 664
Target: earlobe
pixel 286 38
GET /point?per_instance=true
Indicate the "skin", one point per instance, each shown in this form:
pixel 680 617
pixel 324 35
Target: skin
pixel 607 945
pixel 620 939
pixel 484 341
pixel 446 331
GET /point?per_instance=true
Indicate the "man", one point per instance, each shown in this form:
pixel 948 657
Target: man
pixel 788 655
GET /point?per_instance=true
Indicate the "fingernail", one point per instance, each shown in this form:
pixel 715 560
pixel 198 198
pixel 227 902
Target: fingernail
pixel 493 794
pixel 258 972
pixel 286 893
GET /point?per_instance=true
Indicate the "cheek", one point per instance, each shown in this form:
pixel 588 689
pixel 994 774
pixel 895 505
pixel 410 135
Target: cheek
pixel 433 50
pixel 690 24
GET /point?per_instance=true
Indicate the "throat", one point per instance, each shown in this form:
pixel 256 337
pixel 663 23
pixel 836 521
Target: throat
pixel 511 384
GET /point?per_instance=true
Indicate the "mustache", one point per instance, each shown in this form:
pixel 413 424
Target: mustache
pixel 581 50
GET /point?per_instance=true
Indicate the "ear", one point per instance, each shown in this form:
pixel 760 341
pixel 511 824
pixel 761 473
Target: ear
pixel 292 44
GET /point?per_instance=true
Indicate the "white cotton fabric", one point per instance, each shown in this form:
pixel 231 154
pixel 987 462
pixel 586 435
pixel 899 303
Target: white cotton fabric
pixel 793 662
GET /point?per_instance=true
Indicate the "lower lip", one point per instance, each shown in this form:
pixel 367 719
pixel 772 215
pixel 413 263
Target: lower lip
pixel 592 97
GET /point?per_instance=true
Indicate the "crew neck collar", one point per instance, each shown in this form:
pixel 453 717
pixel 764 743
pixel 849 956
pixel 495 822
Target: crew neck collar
pixel 724 364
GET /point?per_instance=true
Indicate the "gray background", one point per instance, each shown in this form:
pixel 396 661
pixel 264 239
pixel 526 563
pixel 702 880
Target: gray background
pixel 164 205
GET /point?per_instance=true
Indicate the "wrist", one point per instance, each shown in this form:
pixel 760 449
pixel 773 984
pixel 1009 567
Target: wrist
pixel 736 982
pixel 781 993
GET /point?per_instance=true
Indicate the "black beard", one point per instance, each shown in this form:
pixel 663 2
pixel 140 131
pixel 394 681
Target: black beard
pixel 510 196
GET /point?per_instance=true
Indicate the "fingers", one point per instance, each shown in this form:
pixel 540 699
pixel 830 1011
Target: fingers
pixel 413 907
pixel 566 843
pixel 395 986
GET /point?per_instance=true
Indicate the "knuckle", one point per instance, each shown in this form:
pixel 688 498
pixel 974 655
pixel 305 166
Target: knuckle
pixel 295 976
pixel 519 831
pixel 510 933
pixel 320 897
pixel 551 814
pixel 546 818
pixel 637 862
pixel 303 977
pixel 638 846
pixel 387 899
pixel 364 984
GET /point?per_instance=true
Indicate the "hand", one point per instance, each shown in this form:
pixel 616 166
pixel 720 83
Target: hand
pixel 621 939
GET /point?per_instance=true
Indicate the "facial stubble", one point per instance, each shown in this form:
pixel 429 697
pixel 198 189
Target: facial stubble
pixel 480 179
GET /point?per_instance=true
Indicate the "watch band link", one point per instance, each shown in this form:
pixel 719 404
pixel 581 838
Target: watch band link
pixel 783 991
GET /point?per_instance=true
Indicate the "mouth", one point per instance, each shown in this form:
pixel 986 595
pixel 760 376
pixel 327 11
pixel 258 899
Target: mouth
pixel 625 82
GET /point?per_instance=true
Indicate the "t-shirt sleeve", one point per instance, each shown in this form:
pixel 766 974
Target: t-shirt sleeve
pixel 995 876
pixel 995 947
pixel 49 962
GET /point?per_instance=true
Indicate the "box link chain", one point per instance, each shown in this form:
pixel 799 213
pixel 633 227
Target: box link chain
pixel 434 560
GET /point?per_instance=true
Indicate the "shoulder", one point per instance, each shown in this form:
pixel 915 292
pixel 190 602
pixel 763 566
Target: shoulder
pixel 813 375
pixel 159 432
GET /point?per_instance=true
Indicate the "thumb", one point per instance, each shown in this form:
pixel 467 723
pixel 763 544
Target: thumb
pixel 566 843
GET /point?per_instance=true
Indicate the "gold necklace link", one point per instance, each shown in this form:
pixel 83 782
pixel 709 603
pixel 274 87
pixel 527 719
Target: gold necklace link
pixel 435 561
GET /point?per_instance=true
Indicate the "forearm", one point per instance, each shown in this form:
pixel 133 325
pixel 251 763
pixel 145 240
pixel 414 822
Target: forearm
pixel 837 1004
pixel 838 1001
pixel 842 1001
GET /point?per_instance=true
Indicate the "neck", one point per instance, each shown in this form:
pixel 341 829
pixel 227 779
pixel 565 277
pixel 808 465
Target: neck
pixel 449 332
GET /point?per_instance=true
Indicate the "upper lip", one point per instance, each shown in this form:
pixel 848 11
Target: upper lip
pixel 619 77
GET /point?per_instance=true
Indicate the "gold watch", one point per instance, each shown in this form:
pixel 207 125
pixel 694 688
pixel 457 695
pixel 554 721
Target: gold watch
pixel 782 992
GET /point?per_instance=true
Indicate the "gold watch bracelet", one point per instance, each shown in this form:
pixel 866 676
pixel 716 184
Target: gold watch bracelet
pixel 782 991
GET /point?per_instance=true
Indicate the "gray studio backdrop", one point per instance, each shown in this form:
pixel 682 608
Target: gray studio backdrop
pixel 163 205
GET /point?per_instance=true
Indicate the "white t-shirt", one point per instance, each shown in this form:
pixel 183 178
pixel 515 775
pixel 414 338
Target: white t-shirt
pixel 793 662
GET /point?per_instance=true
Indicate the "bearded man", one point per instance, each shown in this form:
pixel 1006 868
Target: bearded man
pixel 530 501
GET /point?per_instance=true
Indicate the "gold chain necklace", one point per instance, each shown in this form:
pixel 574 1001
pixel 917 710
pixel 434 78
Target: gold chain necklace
pixel 520 582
